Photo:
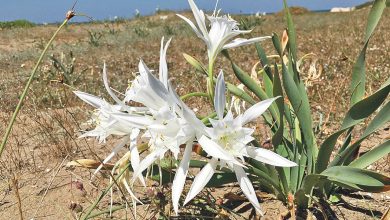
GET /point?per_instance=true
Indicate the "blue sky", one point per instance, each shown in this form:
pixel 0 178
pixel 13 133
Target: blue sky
pixel 53 10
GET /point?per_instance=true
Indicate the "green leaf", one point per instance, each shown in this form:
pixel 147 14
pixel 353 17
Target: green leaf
pixel 249 82
pixel 358 74
pixel 253 87
pixel 240 93
pixel 303 195
pixel 195 63
pixel 343 157
pixel 358 179
pixel 265 177
pixel 372 156
pixel 355 115
pixel 302 110
pixel 220 179
pixel 268 85
pixel 278 91
pixel 264 60
pixel 374 17
pixel 276 42
pixel 291 32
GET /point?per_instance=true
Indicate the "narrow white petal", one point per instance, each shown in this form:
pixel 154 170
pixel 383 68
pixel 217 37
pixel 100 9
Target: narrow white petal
pixel 163 73
pixel 146 162
pixel 241 42
pixel 199 17
pixel 247 187
pixel 134 154
pixel 194 28
pixel 220 98
pixel 269 157
pixel 191 118
pixel 256 110
pixel 90 99
pixel 180 177
pixel 213 149
pixel 113 153
pixel 130 191
pixel 132 120
pixel 201 180
pixel 109 90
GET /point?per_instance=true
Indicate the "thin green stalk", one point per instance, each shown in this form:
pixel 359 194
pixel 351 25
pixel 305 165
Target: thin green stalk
pixel 26 88
pixel 110 210
pixel 104 193
pixel 196 94
pixel 210 82
pixel 206 119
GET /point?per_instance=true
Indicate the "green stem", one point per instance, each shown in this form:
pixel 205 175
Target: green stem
pixel 206 119
pixel 210 82
pixel 26 88
pixel 110 210
pixel 198 94
pixel 104 193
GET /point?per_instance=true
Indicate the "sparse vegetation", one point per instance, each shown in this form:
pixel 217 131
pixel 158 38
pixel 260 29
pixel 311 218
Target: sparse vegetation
pixel 16 24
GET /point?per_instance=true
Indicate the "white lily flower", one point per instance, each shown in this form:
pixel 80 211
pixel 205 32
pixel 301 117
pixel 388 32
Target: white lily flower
pixel 222 30
pixel 228 140
pixel 106 125
pixel 164 125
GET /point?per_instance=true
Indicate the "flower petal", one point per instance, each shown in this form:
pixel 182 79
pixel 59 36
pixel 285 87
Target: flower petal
pixel 247 187
pixel 199 17
pixel 201 180
pixel 146 162
pixel 112 154
pixel 90 99
pixel 134 154
pixel 191 118
pixel 256 110
pixel 241 42
pixel 194 28
pixel 269 157
pixel 220 98
pixel 213 149
pixel 133 120
pixel 109 90
pixel 163 72
pixel 180 177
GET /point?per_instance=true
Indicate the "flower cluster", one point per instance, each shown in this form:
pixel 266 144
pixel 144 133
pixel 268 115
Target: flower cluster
pixel 167 123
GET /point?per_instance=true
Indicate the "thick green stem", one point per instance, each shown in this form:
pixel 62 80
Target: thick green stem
pixel 194 94
pixel 210 82
pixel 26 88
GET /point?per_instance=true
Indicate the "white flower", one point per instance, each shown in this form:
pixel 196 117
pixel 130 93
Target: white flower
pixel 164 125
pixel 227 141
pixel 222 30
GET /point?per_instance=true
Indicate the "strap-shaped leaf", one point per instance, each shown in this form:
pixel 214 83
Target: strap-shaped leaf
pixel 278 91
pixel 276 42
pixel 358 82
pixel 264 60
pixel 372 156
pixel 291 32
pixel 220 179
pixel 249 82
pixel 379 120
pixel 240 93
pixel 253 87
pixel 302 110
pixel 355 115
pixel 358 179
